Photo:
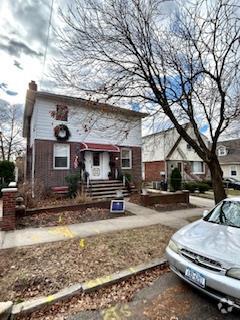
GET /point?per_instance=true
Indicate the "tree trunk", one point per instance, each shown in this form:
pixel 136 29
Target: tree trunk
pixel 217 180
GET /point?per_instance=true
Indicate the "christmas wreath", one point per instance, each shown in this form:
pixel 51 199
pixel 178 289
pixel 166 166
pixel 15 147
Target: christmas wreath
pixel 62 132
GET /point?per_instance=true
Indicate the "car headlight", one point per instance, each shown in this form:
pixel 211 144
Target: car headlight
pixel 173 246
pixel 234 273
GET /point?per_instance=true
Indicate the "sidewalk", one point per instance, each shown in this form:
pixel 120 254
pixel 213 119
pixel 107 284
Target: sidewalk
pixel 143 217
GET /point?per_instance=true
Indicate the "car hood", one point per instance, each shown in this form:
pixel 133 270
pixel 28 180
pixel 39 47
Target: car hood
pixel 212 240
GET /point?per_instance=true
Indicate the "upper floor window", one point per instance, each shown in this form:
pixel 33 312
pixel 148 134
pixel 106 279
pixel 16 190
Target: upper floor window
pixel 197 167
pixel 222 151
pixel 189 147
pixel 61 112
pixel 61 156
pixel 233 171
pixel 126 158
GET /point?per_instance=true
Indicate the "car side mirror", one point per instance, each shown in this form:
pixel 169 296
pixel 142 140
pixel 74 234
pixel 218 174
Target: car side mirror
pixel 205 213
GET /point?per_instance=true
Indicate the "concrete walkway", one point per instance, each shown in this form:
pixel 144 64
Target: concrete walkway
pixel 143 217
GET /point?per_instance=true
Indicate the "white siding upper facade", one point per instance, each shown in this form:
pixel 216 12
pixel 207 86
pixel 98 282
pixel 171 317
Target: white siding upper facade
pixel 86 125
pixel 231 170
pixel 157 147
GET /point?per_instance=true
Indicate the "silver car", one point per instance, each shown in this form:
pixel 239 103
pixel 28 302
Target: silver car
pixel 206 253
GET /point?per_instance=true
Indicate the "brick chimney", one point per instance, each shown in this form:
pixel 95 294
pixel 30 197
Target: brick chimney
pixel 32 86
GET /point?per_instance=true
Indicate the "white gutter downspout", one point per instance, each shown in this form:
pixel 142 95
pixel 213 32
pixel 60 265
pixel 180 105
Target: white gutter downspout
pixel 33 167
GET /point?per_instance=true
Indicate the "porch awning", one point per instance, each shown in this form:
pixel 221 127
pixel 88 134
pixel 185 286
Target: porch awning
pixel 98 147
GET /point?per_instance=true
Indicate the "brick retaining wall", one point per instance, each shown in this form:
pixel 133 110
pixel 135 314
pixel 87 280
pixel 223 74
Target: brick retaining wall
pixel 70 207
pixel 165 198
pixel 8 221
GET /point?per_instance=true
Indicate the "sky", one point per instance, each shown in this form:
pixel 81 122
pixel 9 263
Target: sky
pixel 23 38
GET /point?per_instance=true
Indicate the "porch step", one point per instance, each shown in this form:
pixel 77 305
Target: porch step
pixel 105 188
pixel 105 181
pixel 99 192
pixel 108 196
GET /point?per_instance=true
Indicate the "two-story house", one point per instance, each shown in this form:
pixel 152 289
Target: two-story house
pixel 66 134
pixel 229 158
pixel 166 150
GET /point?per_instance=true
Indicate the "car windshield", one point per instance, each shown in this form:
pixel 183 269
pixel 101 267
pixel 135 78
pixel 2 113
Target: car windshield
pixel 226 213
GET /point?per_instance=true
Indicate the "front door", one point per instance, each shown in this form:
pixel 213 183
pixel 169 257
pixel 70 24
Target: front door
pixel 96 165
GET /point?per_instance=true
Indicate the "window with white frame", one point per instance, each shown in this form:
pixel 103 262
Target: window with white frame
pixel 197 167
pixel 222 151
pixel 61 156
pixel 126 158
pixel 233 171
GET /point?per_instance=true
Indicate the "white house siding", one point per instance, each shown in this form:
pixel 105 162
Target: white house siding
pixel 182 152
pixel 156 147
pixel 107 128
pixel 226 168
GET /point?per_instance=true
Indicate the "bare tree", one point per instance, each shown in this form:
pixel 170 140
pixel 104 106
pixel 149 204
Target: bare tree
pixel 185 65
pixel 11 141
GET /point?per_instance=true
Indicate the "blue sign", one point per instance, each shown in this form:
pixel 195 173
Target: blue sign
pixel 117 206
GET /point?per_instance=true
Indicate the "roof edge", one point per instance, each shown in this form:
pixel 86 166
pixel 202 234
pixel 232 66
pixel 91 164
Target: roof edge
pixel 92 104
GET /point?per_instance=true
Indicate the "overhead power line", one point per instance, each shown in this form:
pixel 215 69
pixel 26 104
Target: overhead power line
pixel 47 41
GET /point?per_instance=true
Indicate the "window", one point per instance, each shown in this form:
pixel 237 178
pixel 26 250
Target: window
pixel 126 158
pixel 61 112
pixel 96 159
pixel 197 167
pixel 189 146
pixel 179 165
pixel 61 155
pixel 233 171
pixel 222 151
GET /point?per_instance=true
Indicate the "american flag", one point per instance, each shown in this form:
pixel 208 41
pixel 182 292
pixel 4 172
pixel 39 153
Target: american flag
pixel 75 162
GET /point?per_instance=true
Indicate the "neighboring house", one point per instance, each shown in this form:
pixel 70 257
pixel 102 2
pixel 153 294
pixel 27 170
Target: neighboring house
pixel 166 150
pixel 67 134
pixel 229 157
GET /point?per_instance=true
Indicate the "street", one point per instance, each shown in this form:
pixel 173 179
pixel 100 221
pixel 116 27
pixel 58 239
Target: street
pixel 168 298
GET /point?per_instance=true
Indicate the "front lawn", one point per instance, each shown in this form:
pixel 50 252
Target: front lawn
pixel 210 195
pixel 50 219
pixel 44 269
pixel 233 192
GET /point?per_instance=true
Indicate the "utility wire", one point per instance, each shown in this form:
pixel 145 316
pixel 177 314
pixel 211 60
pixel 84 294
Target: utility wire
pixel 47 40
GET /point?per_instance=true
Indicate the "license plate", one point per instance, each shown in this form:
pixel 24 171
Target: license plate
pixel 195 277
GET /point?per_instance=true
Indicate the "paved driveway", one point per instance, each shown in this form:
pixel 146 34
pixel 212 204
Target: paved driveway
pixel 168 298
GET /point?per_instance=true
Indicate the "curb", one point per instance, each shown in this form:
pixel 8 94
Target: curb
pixel 101 282
pixel 35 304
pixel 88 286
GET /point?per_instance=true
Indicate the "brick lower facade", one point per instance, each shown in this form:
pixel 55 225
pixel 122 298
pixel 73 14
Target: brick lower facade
pixel 153 169
pixel 50 177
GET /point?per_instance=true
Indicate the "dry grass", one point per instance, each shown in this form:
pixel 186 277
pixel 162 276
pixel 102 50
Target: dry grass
pixel 44 269
pixel 81 198
pixel 50 219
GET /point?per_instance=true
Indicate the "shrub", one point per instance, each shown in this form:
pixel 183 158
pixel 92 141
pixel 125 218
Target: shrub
pixel 72 181
pixel 128 176
pixel 191 186
pixel 202 187
pixel 7 171
pixel 196 185
pixel 25 191
pixel 2 186
pixel 208 182
pixel 176 179
pixel 81 198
